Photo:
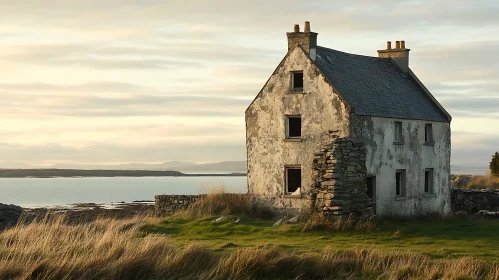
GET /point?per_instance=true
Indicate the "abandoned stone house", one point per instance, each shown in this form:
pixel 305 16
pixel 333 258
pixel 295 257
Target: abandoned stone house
pixel 345 133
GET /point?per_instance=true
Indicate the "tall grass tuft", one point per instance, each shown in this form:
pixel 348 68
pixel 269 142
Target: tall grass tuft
pixel 118 249
pixel 221 203
pixel 483 182
pixel 316 221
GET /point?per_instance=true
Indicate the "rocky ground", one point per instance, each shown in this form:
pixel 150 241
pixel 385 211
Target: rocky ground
pixel 85 212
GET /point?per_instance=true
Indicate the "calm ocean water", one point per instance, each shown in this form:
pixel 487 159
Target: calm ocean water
pixel 34 192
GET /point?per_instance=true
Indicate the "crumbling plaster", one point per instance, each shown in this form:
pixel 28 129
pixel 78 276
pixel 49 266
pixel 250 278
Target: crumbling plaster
pixel 323 113
pixel 384 158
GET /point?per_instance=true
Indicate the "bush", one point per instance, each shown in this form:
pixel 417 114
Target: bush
pixel 221 203
pixel 494 165
pixel 483 182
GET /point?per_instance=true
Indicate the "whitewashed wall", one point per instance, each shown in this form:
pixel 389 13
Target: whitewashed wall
pixel 384 158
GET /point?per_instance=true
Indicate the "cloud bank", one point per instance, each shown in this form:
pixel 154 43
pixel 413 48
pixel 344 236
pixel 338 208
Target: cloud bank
pixel 152 81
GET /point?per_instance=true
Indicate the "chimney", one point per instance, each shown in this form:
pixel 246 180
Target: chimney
pixel 399 55
pixel 307 26
pixel 307 40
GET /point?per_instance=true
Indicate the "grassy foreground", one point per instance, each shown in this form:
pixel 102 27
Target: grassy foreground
pixel 122 249
pixel 191 245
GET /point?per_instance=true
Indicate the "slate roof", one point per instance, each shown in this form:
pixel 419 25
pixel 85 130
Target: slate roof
pixel 376 87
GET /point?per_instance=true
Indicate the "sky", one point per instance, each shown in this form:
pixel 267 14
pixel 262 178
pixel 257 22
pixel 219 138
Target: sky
pixel 119 81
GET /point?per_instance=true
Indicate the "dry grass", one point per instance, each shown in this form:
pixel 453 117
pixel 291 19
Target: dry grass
pixel 314 222
pixel 483 182
pixel 221 203
pixel 118 249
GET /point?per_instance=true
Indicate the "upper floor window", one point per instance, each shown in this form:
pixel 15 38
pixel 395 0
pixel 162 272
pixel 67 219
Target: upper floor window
pixel 397 133
pixel 293 127
pixel 428 133
pixel 297 81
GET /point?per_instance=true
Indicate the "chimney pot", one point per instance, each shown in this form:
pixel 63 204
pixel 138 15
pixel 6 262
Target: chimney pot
pixel 388 45
pixel 297 28
pixel 306 26
pixel 397 44
pixel 402 44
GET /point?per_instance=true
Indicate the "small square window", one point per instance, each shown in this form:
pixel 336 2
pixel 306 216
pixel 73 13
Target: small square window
pixel 400 182
pixel 293 180
pixel 428 133
pixel 428 181
pixel 397 133
pixel 293 127
pixel 297 81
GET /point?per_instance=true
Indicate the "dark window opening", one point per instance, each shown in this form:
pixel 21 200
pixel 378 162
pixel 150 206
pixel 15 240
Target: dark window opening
pixel 371 191
pixel 398 132
pixel 428 181
pixel 297 81
pixel 294 127
pixel 400 183
pixel 428 133
pixel 370 187
pixel 293 179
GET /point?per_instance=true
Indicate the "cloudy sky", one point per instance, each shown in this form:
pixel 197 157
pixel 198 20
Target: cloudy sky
pixel 117 81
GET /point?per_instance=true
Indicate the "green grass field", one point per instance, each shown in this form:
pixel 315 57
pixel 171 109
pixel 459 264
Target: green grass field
pixel 451 238
pixel 145 247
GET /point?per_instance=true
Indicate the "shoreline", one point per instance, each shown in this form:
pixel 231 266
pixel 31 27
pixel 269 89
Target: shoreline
pixel 86 212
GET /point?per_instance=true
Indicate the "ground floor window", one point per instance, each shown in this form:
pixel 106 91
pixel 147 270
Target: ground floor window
pixel 371 190
pixel 293 180
pixel 428 180
pixel 400 182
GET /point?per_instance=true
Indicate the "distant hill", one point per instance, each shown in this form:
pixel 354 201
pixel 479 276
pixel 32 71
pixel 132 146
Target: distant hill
pixel 169 165
pixel 468 169
pixel 47 173
pixel 181 166
pixel 218 167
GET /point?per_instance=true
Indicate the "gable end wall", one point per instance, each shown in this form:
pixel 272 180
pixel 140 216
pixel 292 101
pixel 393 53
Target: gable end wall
pixel 324 116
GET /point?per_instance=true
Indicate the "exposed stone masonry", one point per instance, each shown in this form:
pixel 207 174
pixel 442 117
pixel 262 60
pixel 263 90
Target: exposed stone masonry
pixel 167 204
pixel 340 185
pixel 473 201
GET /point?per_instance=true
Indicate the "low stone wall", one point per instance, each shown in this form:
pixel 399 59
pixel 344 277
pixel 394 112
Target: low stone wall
pixel 472 201
pixel 340 184
pixel 168 204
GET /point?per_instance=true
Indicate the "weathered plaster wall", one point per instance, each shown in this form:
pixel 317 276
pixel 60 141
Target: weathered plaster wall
pixel 268 152
pixel 384 158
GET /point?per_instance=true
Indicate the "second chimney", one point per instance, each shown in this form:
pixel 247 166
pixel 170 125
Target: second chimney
pixel 399 55
pixel 306 27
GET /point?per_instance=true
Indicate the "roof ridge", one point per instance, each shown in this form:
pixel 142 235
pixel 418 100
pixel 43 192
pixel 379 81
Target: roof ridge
pixel 354 54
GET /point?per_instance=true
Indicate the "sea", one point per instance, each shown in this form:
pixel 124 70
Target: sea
pixel 52 192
